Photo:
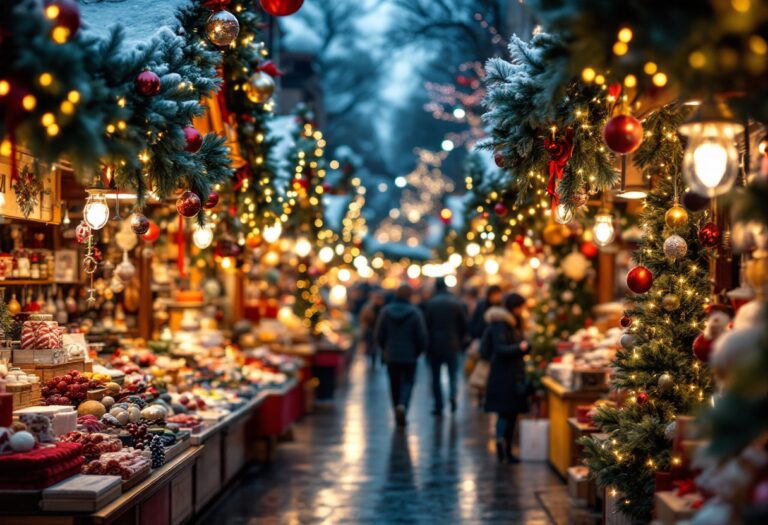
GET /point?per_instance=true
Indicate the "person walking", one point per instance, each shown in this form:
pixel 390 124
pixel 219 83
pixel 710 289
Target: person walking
pixel 402 335
pixel 503 346
pixel 368 317
pixel 447 328
pixel 493 297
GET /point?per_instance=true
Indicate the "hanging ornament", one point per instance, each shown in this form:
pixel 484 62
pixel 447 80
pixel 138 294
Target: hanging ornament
pixel 222 28
pixel 498 158
pixel 281 7
pixel 676 217
pixel 666 382
pixel 148 84
pixel 202 236
pixel 500 209
pixel 579 199
pixel 65 16
pixel 555 234
pixel 695 202
pixel 603 230
pixel 193 139
pixel 188 204
pixel 82 232
pixel 253 240
pixel 125 270
pixel 153 233
pixel 260 87
pixel 709 235
pixel 642 398
pixel 702 348
pixel 711 159
pixel 227 248
pixel 560 151
pixel 589 250
pixel 639 279
pixel 212 201
pixel 96 210
pixel 670 302
pixel 623 134
pixel 575 266
pixel 675 247
pixel 14 306
pixel 563 214
pixel 628 341
pixel 139 224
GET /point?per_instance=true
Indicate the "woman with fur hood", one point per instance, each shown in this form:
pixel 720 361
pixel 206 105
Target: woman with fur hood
pixel 504 346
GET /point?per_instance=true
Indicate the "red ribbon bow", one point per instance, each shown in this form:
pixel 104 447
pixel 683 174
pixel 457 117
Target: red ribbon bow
pixel 560 151
pixel 270 69
pixel 216 5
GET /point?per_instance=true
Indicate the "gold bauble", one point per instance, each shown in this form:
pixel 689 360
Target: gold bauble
pixel 259 87
pixel 676 217
pixel 756 273
pixel 555 234
pixel 670 302
pixel 14 307
pixel 253 240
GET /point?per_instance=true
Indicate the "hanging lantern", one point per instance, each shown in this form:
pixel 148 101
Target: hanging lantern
pixel 711 160
pixel 222 28
pixel 259 87
pixel 96 211
pixel 303 247
pixel 563 214
pixel 603 231
pixel 202 236
pixel 272 233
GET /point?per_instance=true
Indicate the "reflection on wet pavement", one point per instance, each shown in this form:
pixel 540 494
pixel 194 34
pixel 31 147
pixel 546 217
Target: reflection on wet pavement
pixel 349 465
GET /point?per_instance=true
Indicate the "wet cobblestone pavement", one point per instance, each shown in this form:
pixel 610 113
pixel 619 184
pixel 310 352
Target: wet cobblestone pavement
pixel 348 464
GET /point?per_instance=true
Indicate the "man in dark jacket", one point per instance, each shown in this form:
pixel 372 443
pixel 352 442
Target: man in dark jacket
pixel 447 326
pixel 402 336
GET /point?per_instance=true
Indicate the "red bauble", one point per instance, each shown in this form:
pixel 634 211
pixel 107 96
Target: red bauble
pixel 642 398
pixel 623 134
pixel 227 248
pixel 64 14
pixel 589 250
pixel 639 279
pixel 625 321
pixel 153 232
pixel 188 204
pixel 82 232
pixel 500 209
pixel 139 224
pixel 281 7
pixel 194 139
pixel 709 235
pixel 147 84
pixel 498 158
pixel 484 215
pixel 702 347
pixel 213 200
pixel 302 182
pixel 695 202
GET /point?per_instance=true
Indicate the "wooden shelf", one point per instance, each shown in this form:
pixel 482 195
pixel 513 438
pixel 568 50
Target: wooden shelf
pixel 32 282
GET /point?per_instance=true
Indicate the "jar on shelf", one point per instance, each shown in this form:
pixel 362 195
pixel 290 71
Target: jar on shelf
pixel 23 265
pixel 34 266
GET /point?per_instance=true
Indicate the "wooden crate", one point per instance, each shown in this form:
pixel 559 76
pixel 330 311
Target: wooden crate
pixel 48 372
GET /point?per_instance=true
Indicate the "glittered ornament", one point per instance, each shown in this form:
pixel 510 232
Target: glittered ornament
pixel 222 28
pixel 642 398
pixel 670 302
pixel 500 209
pixel 260 87
pixel 625 321
pixel 639 279
pixel 498 158
pixel 695 202
pixel 125 270
pixel 193 139
pixel 65 17
pixel 666 382
pixel 82 232
pixel 212 201
pixel 153 233
pixel 188 204
pixel 589 250
pixel 139 224
pixel 676 217
pixel 709 235
pixel 675 247
pixel 281 7
pixel 148 84
pixel 623 134
pixel 628 341
pixel 702 348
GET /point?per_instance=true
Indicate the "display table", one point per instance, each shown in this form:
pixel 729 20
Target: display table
pixel 562 405
pixel 328 365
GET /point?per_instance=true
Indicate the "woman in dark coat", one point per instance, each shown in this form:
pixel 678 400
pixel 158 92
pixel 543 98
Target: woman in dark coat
pixel 503 346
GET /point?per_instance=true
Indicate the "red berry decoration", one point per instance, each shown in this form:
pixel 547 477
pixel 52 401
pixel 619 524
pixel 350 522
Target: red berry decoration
pixel 500 209
pixel 589 250
pixel 213 200
pixel 147 84
pixel 194 139
pixel 188 205
pixel 281 7
pixel 498 158
pixel 639 279
pixel 709 235
pixel 702 347
pixel 153 233
pixel 695 202
pixel 642 398
pixel 82 232
pixel 65 15
pixel 625 321
pixel 139 224
pixel 623 134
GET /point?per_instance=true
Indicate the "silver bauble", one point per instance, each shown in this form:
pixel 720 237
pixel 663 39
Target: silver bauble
pixel 222 28
pixel 675 247
pixel 628 341
pixel 125 270
pixel 666 382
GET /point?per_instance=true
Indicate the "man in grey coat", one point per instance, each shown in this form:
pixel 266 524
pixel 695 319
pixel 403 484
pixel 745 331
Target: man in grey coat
pixel 447 327
pixel 402 336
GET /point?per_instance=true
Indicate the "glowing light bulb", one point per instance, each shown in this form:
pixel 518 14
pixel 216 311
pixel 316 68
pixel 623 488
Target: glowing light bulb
pixel 491 266
pixel 303 247
pixel 202 237
pixel 272 233
pixel 414 271
pixel 603 231
pixel 400 182
pixel 338 295
pixel 447 145
pixel 563 214
pixel 326 254
pixel 535 263
pixel 344 275
pixel 96 211
pixel 459 113
pixel 451 281
pixel 473 249
pixel 455 260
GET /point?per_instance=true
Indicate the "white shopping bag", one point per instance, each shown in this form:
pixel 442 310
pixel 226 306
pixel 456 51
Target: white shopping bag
pixel 534 439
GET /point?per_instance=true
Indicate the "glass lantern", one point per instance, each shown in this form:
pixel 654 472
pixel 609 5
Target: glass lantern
pixel 96 211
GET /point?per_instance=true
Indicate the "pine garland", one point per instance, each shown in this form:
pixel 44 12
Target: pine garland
pixel 636 446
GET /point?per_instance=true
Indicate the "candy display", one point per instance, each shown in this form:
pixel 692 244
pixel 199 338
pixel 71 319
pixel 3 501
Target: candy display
pixel 125 463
